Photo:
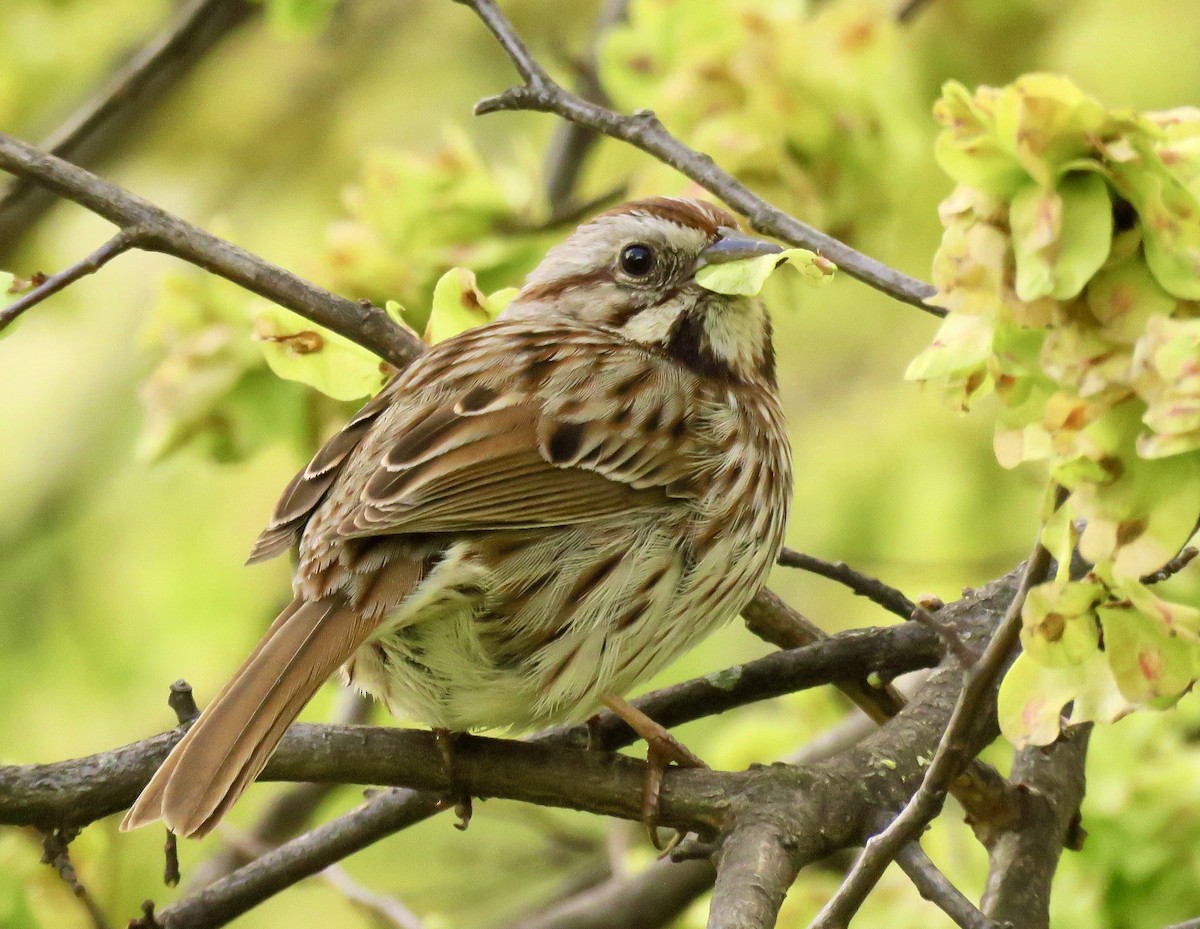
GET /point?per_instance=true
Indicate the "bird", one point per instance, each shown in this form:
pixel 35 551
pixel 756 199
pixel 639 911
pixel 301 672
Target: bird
pixel 533 517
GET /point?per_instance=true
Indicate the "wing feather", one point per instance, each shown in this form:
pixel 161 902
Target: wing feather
pixel 507 453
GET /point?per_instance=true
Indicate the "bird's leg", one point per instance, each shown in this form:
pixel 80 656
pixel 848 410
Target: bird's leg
pixel 662 749
pixel 463 806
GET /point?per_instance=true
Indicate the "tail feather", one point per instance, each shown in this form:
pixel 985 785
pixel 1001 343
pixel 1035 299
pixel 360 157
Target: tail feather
pixel 230 743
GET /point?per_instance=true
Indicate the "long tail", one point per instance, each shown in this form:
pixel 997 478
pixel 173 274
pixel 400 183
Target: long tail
pixel 230 743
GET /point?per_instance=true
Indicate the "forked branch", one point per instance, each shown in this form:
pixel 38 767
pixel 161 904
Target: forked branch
pixel 643 130
pixel 154 229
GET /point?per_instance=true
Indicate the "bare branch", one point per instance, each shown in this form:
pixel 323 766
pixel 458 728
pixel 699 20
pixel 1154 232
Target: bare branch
pixel 56 853
pixel 769 618
pixel 644 131
pixel 387 909
pixel 1172 567
pixel 981 790
pixel 954 645
pixel 385 813
pixel 650 898
pixel 935 887
pixel 79 791
pixel 107 117
pixel 952 756
pixel 1023 859
pixel 159 231
pixel 571 143
pixel 871 776
pixel 754 872
pixel 872 588
pixel 120 243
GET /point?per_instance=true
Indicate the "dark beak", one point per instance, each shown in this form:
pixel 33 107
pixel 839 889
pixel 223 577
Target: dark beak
pixel 734 245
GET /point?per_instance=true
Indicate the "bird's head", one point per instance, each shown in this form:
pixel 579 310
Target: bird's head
pixel 632 269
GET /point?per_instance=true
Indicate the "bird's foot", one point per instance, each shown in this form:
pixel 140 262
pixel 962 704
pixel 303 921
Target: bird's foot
pixel 463 804
pixel 662 750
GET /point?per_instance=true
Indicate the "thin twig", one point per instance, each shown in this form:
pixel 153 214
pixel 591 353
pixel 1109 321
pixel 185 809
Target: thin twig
pixel 935 887
pixel 387 909
pixel 571 142
pixel 908 12
pixel 863 585
pixel 120 243
pixel 954 644
pixel 950 758
pixel 160 231
pixel 650 898
pixel 107 117
pixel 56 853
pixel 1172 567
pixel 643 130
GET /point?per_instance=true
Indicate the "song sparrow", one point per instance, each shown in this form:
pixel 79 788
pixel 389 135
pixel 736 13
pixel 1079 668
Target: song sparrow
pixel 533 517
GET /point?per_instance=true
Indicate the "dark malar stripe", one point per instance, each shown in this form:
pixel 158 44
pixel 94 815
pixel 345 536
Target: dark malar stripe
pixel 687 344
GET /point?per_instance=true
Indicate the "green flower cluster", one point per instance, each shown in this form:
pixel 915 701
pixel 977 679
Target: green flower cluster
pixel 414 217
pixel 412 221
pixel 1070 265
pixel 802 107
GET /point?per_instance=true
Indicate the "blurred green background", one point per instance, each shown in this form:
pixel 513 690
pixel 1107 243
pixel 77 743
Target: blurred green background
pixel 346 151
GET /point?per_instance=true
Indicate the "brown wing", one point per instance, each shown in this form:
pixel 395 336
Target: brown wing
pixel 308 488
pixel 593 436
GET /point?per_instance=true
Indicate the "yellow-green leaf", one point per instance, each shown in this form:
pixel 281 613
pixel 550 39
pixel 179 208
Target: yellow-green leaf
pixel 746 278
pixel 459 305
pixel 299 350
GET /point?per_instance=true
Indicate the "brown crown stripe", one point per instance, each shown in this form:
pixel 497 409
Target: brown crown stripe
pixel 695 214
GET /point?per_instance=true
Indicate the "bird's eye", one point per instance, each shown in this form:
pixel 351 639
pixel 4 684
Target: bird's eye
pixel 637 260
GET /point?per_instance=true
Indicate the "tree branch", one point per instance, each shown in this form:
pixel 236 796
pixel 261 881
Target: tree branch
pixel 953 753
pixel 119 244
pixel 870 777
pixel 754 872
pixel 935 887
pixel 1022 860
pixel 644 131
pixel 288 813
pixel 107 117
pixel 571 143
pixel 652 897
pixel 872 588
pixel 79 791
pixel 159 231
